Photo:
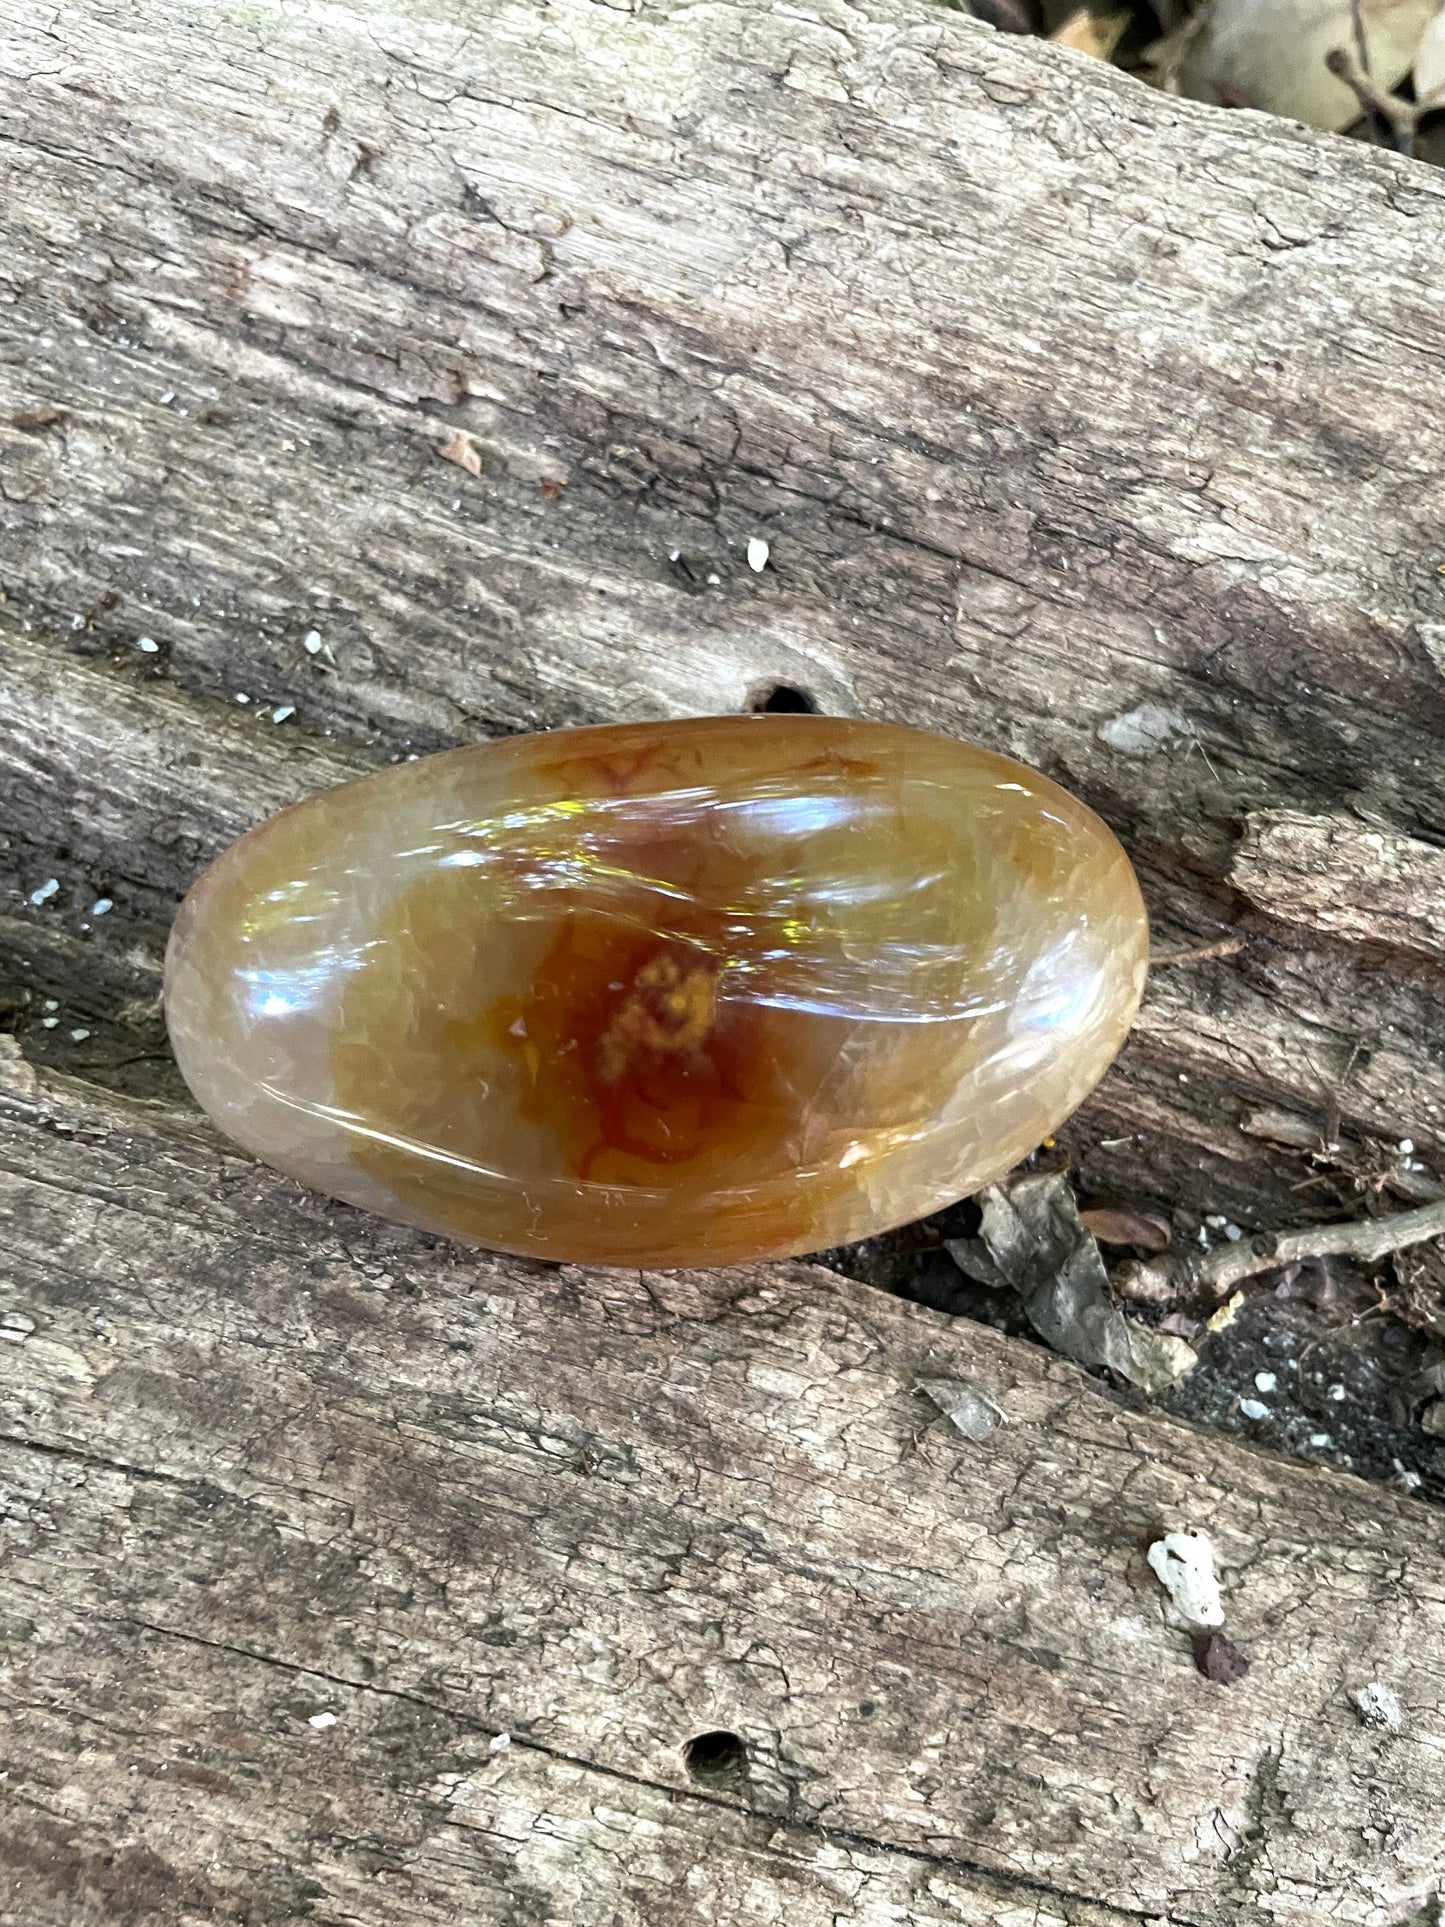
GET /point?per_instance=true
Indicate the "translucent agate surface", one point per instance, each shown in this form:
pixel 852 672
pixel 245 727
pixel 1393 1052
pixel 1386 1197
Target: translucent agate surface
pixel 665 993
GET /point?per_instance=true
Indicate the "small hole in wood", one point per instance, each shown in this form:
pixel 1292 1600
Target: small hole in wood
pixel 716 1760
pixel 782 699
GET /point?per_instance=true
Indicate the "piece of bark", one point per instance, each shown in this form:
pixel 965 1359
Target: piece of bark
pixel 1351 882
pixel 284 1461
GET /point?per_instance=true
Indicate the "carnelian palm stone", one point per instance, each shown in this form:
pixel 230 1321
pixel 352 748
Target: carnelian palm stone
pixel 661 993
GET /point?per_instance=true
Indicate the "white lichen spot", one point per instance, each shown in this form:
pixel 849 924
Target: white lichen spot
pixel 969 1411
pixel 1378 1706
pixel 1183 1563
pixel 1146 730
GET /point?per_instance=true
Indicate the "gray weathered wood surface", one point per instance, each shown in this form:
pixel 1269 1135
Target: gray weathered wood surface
pixel 1054 400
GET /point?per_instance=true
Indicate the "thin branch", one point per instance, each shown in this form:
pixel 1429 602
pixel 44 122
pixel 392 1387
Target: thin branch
pixel 1402 117
pixel 1220 1271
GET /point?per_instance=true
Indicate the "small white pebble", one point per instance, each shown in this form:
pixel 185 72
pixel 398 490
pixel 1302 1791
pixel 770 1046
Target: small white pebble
pixel 168 397
pixel 1233 1233
pixel 499 1743
pixel 1251 1408
pixel 757 555
pixel 77 622
pixel 284 713
pixel 147 645
pixel 1321 1441
pixel 102 907
pixel 1218 1222
pixel 49 1023
pixel 1336 1392
pixel 1265 1382
pixel 321 1721
pixel 1378 1706
pixel 714 580
pixel 48 889
pixel 1406 1145
pixel 673 554
pixel 79 1036
pixel 50 1003
pixel 1203 1236
pixel 311 642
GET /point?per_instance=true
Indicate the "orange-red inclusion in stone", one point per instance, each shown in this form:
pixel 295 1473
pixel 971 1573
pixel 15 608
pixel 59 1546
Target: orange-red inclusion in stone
pixel 662 993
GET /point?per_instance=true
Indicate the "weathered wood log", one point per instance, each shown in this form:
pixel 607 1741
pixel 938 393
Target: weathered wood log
pixel 268 1463
pixel 425 371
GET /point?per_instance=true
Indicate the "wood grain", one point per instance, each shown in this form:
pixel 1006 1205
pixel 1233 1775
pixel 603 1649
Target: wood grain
pixel 477 344
pixel 604 1513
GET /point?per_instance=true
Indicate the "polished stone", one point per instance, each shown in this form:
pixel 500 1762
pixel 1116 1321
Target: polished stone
pixel 662 993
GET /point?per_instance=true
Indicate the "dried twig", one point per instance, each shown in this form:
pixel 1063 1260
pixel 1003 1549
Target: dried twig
pixel 1217 1273
pixel 1226 947
pixel 1402 117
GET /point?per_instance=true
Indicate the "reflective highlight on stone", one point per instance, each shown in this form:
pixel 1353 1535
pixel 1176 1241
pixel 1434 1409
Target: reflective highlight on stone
pixel 663 993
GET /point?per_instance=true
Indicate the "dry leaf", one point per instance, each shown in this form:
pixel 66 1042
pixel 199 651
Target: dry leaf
pixel 1093 33
pixel 1031 1239
pixel 1271 54
pixel 462 450
pixel 1116 1224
